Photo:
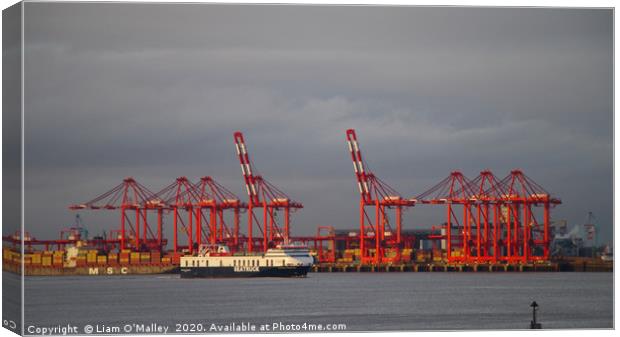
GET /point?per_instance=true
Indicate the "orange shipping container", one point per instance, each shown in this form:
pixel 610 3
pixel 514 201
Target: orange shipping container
pixel 155 257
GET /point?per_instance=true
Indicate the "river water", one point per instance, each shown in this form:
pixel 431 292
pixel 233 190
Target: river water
pixel 361 301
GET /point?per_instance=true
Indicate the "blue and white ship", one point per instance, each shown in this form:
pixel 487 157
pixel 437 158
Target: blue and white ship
pixel 216 261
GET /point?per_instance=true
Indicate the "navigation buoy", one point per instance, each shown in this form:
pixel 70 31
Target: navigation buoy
pixel 533 323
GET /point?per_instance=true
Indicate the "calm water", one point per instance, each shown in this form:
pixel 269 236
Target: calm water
pixel 362 301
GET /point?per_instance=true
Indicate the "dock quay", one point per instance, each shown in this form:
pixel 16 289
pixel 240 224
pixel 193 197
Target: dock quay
pixel 575 266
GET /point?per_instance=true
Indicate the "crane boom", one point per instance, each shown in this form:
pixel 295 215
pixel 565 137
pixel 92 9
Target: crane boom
pixel 246 168
pixel 358 165
pixel 380 197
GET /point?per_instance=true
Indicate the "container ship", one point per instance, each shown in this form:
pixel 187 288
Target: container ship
pixel 215 261
pixel 75 254
pixel 73 261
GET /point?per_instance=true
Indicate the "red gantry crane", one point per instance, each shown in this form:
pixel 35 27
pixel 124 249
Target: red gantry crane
pixel 216 198
pixel 487 192
pixel 498 222
pixel 376 194
pixel 262 194
pixel 452 191
pixel 526 234
pixel 180 196
pixel 130 195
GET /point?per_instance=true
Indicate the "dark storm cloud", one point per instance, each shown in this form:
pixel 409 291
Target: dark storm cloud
pixel 155 91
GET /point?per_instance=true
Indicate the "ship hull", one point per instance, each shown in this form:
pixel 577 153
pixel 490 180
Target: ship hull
pixel 102 270
pixel 228 272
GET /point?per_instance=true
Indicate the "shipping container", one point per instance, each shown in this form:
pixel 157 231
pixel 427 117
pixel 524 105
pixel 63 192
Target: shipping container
pixel 80 261
pixel 102 260
pixel 17 258
pixel 134 258
pixel 46 261
pixel 113 258
pixel 155 257
pixel 145 258
pixel 36 258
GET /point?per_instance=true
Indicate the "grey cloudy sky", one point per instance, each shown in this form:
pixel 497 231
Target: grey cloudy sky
pixel 155 91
